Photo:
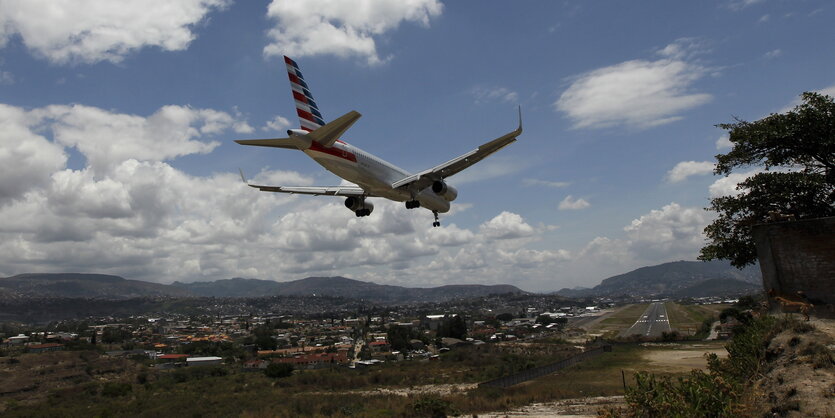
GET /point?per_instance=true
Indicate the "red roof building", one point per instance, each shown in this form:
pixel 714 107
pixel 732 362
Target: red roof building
pixel 173 357
pixel 40 348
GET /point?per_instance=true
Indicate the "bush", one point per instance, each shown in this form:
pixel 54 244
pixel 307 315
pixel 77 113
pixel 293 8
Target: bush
pixel 714 393
pixel 433 407
pixel 279 370
pixel 115 389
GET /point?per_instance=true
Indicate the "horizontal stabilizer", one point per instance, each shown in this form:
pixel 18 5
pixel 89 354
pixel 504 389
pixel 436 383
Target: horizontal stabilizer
pixel 328 134
pixel 291 143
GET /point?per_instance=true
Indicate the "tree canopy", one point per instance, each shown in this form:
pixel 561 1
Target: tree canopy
pixel 796 153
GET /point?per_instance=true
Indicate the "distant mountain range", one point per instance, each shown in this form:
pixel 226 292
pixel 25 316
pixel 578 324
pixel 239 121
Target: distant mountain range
pixel 100 286
pixel 676 279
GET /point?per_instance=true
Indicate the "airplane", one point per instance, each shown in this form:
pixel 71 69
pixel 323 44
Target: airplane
pixel 373 176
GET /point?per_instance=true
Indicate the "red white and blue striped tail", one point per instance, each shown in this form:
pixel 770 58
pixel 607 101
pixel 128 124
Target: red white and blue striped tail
pixel 306 108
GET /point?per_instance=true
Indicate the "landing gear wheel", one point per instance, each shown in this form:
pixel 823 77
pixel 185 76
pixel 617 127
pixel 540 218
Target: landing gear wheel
pixel 362 212
pixel 437 223
pixel 412 204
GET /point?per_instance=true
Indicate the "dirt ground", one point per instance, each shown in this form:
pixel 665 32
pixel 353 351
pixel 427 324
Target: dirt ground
pixel 799 376
pixel 577 408
pixel 681 358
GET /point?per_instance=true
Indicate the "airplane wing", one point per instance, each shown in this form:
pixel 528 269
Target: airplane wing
pixel 314 190
pixel 311 190
pixel 425 178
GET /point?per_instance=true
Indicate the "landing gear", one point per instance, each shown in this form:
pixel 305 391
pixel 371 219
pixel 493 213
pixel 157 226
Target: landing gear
pixel 437 223
pixel 412 204
pixel 362 212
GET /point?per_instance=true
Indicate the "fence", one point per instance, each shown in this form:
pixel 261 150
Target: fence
pixel 540 371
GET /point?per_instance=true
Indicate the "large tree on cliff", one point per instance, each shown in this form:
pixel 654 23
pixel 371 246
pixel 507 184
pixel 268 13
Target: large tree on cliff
pixel 796 150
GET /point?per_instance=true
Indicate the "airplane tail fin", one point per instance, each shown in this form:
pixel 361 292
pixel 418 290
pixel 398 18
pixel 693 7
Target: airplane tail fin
pixel 306 108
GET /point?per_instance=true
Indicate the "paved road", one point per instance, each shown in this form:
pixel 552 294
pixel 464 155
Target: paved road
pixel 651 323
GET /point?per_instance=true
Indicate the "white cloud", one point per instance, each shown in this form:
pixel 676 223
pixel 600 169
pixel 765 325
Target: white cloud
pixel 106 138
pixel 572 203
pixel 545 183
pixel 26 159
pixel 637 93
pixel 727 186
pixel 526 258
pixel 506 225
pixel 277 124
pixel 6 78
pixel 827 91
pixel 737 5
pixel 89 31
pixel 343 28
pixel 495 166
pixel 774 53
pixel 685 169
pixel 724 142
pixel 671 230
pixel 501 94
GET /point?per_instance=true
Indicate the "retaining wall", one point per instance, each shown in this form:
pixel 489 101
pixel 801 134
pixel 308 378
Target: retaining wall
pixel 798 256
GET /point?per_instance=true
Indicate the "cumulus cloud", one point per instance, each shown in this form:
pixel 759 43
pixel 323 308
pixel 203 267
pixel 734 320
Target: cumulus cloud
pixel 506 225
pixel 727 186
pixel 572 203
pixel 277 124
pixel 671 230
pixel 89 31
pixel 494 94
pixel 107 138
pixel 342 28
pixel 685 169
pixel 527 258
pixel 637 93
pixel 827 91
pixel 724 142
pixel 26 159
pixel 774 53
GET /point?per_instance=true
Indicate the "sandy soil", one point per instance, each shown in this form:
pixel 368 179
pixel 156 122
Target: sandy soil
pixel 415 390
pixel 799 376
pixel 578 407
pixel 681 360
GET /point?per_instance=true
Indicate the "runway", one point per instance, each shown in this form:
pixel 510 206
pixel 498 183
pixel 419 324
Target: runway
pixel 651 323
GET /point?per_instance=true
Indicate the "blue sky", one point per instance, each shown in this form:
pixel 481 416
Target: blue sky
pixel 116 149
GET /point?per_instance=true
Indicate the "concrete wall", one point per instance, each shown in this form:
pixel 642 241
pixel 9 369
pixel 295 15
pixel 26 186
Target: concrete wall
pixel 799 256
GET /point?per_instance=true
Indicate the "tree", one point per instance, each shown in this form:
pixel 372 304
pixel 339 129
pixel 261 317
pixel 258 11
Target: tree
pixel 453 326
pixel 800 145
pixel 278 370
pixel 504 317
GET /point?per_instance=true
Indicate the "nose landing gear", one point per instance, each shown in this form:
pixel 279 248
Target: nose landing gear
pixel 437 223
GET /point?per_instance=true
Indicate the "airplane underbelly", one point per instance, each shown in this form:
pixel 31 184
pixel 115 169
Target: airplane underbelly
pixel 350 170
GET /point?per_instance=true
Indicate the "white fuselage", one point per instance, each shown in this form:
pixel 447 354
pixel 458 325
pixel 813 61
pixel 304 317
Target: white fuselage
pixel 371 173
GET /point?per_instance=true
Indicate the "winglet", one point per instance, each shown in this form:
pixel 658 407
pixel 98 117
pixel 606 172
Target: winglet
pixel 243 179
pixel 520 118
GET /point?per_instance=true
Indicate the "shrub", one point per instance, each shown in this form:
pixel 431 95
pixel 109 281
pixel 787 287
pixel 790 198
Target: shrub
pixel 278 370
pixel 433 407
pixel 115 389
pixel 714 393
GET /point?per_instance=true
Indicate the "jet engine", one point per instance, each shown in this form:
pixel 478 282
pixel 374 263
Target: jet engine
pixel 359 206
pixel 444 190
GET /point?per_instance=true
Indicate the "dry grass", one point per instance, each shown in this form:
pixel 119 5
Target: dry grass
pixel 687 318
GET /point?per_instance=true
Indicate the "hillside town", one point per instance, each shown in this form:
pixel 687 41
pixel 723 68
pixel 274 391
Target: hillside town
pixel 253 341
